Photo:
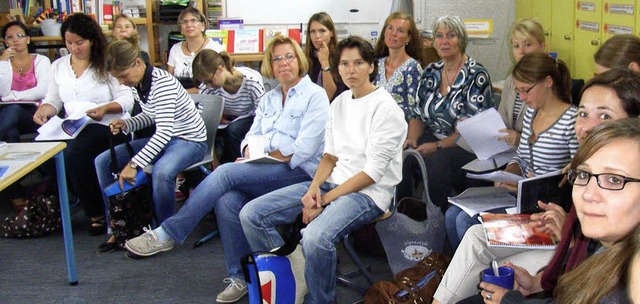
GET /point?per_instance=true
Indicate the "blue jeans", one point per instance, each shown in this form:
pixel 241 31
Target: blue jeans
pixel 176 156
pixel 16 119
pixel 226 191
pixel 456 223
pixel 347 213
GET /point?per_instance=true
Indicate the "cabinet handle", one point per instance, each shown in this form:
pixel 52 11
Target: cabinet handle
pixel 567 37
pixel 595 42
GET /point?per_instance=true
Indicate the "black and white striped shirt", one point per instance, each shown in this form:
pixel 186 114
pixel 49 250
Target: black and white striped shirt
pixel 244 102
pixel 168 105
pixel 553 149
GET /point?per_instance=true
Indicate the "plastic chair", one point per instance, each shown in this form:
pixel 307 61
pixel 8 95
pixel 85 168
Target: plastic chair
pixel 212 105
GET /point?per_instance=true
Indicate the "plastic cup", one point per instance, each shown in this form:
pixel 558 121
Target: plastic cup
pixel 504 279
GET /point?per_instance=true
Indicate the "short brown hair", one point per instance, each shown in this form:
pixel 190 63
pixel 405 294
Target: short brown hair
pixel 619 51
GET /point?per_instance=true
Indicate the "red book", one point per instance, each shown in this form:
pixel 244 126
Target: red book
pixel 514 230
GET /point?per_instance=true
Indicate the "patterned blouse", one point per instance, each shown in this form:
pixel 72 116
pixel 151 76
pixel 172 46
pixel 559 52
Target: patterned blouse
pixel 402 85
pixel 469 94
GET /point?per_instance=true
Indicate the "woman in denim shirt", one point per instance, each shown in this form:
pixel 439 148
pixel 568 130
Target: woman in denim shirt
pixel 291 119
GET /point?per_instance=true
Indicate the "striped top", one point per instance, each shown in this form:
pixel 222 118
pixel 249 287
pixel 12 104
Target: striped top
pixel 517 107
pixel 167 104
pixel 244 102
pixel 553 149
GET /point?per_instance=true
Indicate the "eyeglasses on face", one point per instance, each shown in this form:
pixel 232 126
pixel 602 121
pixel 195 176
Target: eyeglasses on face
pixel 605 181
pixel 17 36
pixel 288 57
pixel 189 21
pixel 525 92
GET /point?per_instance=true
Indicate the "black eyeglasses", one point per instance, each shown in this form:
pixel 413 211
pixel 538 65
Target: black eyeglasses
pixel 525 92
pixel 605 181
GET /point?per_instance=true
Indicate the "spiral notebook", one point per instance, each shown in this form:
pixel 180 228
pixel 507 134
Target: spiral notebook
pixel 513 230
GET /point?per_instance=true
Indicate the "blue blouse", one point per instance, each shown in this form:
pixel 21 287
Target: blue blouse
pixel 402 85
pixel 297 127
pixel 469 94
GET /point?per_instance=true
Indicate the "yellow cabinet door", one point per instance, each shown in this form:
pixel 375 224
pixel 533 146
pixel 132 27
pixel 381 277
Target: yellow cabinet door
pixel 618 17
pixel 542 11
pixel 524 9
pixel 562 27
pixel 588 35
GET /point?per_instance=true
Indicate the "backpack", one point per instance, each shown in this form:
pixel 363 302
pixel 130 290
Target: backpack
pixel 39 217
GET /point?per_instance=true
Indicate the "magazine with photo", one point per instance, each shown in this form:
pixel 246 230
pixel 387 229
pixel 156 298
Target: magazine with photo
pixel 57 128
pixel 515 231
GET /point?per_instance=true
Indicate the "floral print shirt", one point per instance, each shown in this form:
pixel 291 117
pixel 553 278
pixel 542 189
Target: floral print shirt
pixel 403 84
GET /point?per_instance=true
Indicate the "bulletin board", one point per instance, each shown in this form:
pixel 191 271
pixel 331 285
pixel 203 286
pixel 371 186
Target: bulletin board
pixel 257 12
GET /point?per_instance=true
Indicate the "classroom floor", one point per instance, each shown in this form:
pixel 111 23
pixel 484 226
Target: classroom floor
pixel 34 271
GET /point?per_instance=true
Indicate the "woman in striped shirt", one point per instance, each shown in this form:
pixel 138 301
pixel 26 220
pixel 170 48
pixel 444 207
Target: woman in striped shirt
pixel 548 141
pixel 241 88
pixel 180 137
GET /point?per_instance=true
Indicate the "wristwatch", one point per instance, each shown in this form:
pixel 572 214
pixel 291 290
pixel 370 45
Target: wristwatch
pixel 326 69
pixel 133 165
pixel 438 145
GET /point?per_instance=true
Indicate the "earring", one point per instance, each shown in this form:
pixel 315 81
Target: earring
pixel 406 43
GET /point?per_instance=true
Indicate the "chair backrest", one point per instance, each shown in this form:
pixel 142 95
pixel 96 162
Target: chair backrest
pixel 212 106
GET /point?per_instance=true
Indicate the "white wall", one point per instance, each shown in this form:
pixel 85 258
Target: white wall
pixel 492 53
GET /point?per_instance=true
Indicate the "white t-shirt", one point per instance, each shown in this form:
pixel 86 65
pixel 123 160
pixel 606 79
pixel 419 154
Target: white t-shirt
pixel 181 63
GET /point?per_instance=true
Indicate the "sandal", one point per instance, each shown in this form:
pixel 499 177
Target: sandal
pixel 108 246
pixel 98 226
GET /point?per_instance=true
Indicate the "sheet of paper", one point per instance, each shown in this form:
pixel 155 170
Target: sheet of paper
pixel 481 133
pixel 493 163
pixel 480 199
pixel 497 176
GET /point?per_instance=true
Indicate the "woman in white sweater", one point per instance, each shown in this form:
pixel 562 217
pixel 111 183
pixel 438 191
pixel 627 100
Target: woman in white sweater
pixel 23 82
pixel 80 84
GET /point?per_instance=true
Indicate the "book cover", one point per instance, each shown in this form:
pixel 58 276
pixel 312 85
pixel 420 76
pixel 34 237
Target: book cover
pixel 230 24
pixel 219 36
pixel 514 230
pixel 246 41
pixel 271 31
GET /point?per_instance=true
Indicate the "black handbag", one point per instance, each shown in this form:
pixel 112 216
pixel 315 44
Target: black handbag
pixel 129 208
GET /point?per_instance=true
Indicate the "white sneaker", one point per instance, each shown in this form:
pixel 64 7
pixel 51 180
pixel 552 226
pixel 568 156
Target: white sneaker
pixel 148 244
pixel 236 289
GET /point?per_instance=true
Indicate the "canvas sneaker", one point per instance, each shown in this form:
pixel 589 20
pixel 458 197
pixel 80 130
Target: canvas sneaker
pixel 181 192
pixel 236 289
pixel 148 244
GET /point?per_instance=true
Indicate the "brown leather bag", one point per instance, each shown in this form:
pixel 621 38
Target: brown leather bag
pixel 413 285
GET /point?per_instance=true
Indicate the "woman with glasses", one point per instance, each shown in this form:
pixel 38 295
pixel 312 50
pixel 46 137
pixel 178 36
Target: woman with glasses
pixel 606 189
pixel 24 78
pixel 400 60
pixel 319 48
pixel 290 120
pixel 81 84
pixel 241 88
pixel 451 89
pixel 612 95
pixel 193 25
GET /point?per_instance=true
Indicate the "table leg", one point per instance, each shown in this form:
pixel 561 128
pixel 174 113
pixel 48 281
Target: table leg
pixel 66 219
